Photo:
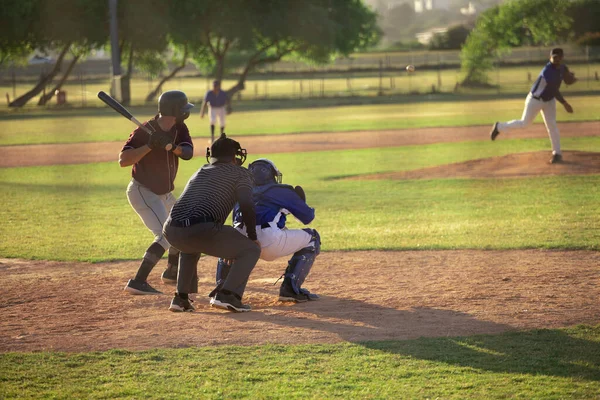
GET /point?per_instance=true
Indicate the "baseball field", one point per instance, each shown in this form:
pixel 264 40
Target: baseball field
pixel 452 266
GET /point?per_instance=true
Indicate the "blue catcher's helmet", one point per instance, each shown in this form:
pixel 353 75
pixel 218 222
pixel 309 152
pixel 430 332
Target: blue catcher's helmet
pixel 264 171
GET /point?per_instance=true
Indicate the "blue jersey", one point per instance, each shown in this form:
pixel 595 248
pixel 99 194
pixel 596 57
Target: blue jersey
pixel 216 100
pixel 547 85
pixel 270 199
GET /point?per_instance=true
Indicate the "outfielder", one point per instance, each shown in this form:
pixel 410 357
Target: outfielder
pixel 217 100
pixel 153 173
pixel 273 201
pixel 195 226
pixel 542 97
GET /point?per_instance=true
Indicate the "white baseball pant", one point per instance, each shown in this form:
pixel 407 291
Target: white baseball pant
pixel 217 112
pixel 276 243
pixel 153 209
pixel 531 110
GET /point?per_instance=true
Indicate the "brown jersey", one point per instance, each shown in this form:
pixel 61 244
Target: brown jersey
pixel 157 170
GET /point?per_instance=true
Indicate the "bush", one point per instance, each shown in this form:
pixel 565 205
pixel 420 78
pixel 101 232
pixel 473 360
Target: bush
pixel 589 39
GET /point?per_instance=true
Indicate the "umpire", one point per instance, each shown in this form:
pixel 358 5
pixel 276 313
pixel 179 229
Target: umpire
pixel 195 225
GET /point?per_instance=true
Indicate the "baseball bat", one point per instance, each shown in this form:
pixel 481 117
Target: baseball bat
pixel 118 107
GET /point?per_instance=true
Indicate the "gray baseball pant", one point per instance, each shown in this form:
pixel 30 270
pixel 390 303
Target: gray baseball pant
pixel 214 240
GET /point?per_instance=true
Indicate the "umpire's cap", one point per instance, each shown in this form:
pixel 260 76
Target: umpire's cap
pixel 225 149
pixel 174 103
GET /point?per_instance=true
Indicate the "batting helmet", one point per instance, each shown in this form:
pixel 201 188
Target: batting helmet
pixel 225 149
pixel 174 103
pixel 264 171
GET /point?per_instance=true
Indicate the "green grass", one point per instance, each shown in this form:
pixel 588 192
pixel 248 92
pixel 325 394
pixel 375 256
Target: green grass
pixel 80 212
pixel 103 124
pixel 538 364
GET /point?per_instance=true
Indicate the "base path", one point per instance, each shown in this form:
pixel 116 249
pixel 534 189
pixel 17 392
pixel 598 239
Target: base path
pixel 375 296
pixel 83 153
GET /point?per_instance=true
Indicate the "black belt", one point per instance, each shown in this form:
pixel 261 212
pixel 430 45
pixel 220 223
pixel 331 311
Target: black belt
pixel 538 98
pixel 191 221
pixel 263 226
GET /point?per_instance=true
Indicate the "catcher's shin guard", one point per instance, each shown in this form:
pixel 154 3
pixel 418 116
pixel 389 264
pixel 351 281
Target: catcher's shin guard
pixel 302 261
pixel 223 268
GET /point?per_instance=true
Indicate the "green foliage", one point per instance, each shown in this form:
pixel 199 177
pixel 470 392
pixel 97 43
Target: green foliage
pixel 511 24
pixel 534 364
pixel 586 17
pixel 589 39
pixel 453 39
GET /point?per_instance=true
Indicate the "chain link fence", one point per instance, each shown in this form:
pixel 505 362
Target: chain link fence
pixel 370 74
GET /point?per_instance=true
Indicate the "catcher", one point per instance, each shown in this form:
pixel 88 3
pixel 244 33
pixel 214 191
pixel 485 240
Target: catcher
pixel 155 159
pixel 273 201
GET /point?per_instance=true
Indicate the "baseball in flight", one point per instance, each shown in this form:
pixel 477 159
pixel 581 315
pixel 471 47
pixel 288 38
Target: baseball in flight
pixel 410 68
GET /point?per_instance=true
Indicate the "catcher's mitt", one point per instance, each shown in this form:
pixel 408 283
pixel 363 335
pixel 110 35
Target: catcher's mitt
pixel 300 191
pixel 159 140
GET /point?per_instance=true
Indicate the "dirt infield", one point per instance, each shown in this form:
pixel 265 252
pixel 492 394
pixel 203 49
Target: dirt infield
pixel 82 153
pixel 374 296
pixel 509 166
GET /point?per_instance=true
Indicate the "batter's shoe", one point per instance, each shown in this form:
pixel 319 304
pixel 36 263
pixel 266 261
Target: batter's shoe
pixel 229 302
pixel 286 293
pixel 556 159
pixel 181 305
pixel 169 275
pixel 495 132
pixel 136 287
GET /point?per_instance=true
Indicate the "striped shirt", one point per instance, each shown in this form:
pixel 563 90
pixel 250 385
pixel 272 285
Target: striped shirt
pixel 212 192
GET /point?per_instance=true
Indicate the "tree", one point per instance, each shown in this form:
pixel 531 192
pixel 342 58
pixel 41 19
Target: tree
pixel 508 25
pixel 586 18
pixel 58 25
pixel 143 38
pixel 258 32
pixel 453 39
pixel 16 31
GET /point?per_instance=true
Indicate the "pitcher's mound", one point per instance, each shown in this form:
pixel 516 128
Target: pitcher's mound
pixel 509 166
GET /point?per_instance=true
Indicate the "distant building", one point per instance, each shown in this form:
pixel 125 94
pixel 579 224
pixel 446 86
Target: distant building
pixel 428 5
pixel 425 37
pixel 469 10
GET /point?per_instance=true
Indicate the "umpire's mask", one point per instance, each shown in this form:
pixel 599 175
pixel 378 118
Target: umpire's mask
pixel 225 150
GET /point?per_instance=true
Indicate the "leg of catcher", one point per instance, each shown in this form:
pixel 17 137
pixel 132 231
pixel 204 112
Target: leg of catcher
pixel 298 269
pixel 223 268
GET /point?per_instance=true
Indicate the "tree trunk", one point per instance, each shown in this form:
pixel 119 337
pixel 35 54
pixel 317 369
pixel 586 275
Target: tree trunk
pixel 44 80
pixel 220 68
pixel 152 95
pixel 45 98
pixel 241 83
pixel 126 80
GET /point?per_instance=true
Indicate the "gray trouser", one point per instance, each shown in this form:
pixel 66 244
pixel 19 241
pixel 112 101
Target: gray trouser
pixel 218 241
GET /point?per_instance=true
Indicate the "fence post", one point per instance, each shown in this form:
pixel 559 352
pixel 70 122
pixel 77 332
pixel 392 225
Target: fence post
pixel 380 92
pixel 439 72
pixel 587 57
pixel 14 82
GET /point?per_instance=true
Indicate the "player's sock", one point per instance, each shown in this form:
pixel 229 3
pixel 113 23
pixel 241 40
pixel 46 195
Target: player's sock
pixel 212 129
pixel 222 129
pixel 151 258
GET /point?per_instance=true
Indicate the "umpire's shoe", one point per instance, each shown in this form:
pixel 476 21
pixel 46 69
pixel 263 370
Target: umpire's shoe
pixel 495 132
pixel 136 287
pixel 229 301
pixel 181 305
pixel 169 275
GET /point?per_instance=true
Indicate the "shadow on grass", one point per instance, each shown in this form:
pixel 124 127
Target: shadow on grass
pixel 447 336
